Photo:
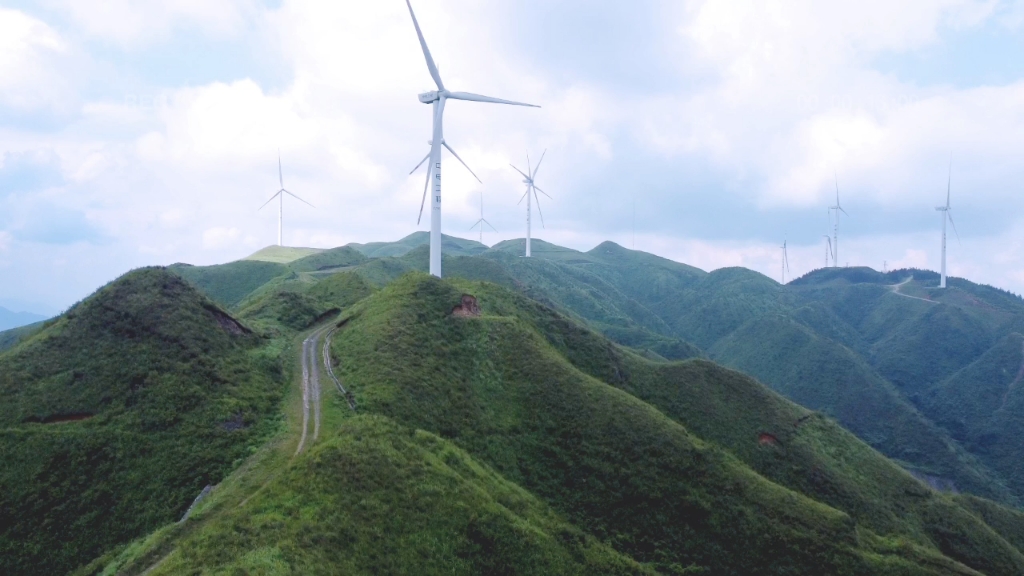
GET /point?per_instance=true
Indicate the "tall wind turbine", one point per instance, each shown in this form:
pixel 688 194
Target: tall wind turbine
pixel 531 191
pixel 437 98
pixel 280 196
pixel 946 215
pixel 828 248
pixel 482 221
pixel 835 242
pixel 785 260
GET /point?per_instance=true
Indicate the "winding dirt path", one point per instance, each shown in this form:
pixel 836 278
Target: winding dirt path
pixel 896 290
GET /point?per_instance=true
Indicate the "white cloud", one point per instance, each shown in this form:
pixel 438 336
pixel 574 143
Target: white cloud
pixel 132 23
pixel 30 51
pixel 217 238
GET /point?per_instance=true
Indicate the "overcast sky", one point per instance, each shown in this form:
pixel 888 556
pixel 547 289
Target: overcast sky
pixel 136 133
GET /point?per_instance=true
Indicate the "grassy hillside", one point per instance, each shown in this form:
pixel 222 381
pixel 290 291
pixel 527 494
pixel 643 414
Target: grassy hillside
pixel 498 389
pixel 328 260
pixel 8 338
pixel 117 414
pixel 382 499
pixel 450 245
pixel 281 254
pixel 228 284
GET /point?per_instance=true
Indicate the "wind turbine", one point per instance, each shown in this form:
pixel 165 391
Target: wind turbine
pixel 531 190
pixel 835 243
pixel 785 260
pixel 280 196
pixel 437 98
pixel 828 248
pixel 946 215
pixel 482 221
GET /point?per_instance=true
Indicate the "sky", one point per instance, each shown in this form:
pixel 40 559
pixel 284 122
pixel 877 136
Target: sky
pixel 709 132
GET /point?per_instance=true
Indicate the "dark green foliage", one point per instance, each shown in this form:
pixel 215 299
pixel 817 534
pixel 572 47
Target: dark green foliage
pixel 229 284
pixel 286 308
pixel 328 259
pixel 341 290
pixel 500 390
pixel 116 415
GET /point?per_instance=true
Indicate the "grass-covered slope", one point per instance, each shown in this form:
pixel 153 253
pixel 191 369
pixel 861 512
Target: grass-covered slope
pixel 8 338
pixel 450 245
pixel 281 254
pixel 228 284
pixel 117 414
pixel 499 389
pixel 378 498
pixel 328 259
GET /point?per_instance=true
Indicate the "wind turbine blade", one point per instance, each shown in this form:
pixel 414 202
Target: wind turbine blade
pixel 535 170
pixel 478 98
pixel 543 192
pixel 426 51
pixel 539 211
pixel 837 188
pixel 296 197
pixel 489 224
pixel 425 158
pixel 949 182
pixel 950 216
pixel 269 201
pixel 445 144
pixel 843 211
pixel 523 198
pixel 426 185
pixel 518 170
pixel 477 224
pixel 280 172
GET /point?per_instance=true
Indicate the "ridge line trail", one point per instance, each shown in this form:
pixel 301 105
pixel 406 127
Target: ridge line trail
pixel 310 387
pixel 895 288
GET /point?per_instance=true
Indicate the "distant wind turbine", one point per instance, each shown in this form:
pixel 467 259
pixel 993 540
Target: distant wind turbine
pixel 482 221
pixel 438 98
pixel 828 248
pixel 946 215
pixel 785 260
pixel 531 191
pixel 835 242
pixel 280 196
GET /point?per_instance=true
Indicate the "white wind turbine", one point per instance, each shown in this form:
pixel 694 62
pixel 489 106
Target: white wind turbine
pixel 785 260
pixel 280 196
pixel 835 242
pixel 828 248
pixel 482 221
pixel 946 215
pixel 438 98
pixel 531 190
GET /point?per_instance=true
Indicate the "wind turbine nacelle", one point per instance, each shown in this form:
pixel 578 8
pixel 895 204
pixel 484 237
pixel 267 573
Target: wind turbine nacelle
pixel 429 97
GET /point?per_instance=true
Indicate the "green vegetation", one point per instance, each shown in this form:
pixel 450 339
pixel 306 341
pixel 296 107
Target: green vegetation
pixel 117 414
pixel 556 432
pixel 281 254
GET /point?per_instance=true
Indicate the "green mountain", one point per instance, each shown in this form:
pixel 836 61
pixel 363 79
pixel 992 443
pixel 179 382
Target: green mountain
pixel 571 413
pixel 864 347
pixel 118 413
pixel 515 440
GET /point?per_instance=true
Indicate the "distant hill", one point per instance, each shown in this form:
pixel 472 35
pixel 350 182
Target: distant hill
pixel 10 319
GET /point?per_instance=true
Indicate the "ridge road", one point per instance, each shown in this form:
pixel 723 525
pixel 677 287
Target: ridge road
pixel 311 389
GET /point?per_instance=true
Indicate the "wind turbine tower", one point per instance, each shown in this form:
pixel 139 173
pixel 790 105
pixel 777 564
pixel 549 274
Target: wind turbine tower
pixel 531 191
pixel 947 216
pixel 835 242
pixel 437 99
pixel 828 248
pixel 280 196
pixel 785 260
pixel 482 221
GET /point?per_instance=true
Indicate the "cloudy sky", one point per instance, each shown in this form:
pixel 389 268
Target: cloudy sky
pixel 136 133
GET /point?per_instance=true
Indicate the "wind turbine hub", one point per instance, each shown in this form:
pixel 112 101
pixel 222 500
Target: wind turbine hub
pixel 430 97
